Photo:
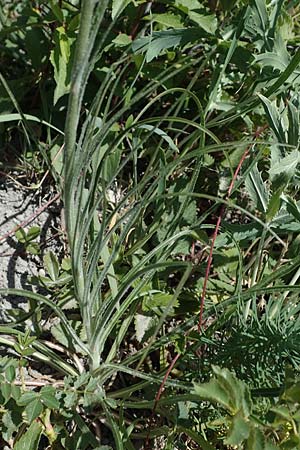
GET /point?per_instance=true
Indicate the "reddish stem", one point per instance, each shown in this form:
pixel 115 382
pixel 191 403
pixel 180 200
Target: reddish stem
pixel 213 241
pixel 257 133
pixel 158 395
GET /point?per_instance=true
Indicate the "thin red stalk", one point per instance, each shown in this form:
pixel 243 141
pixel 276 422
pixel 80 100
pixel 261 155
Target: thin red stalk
pixel 158 395
pixel 213 241
pixel 257 133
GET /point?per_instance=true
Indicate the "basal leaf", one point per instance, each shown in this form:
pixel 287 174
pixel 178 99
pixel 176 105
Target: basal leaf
pixel 51 265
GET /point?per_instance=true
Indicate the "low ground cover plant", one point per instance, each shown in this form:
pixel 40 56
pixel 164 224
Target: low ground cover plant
pixel 170 132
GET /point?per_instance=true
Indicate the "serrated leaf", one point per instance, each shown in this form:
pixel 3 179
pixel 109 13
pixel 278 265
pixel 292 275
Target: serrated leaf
pixel 31 438
pixel 214 392
pixel 51 265
pixel 286 165
pixel 225 388
pixel 162 40
pixel 70 400
pixel 271 59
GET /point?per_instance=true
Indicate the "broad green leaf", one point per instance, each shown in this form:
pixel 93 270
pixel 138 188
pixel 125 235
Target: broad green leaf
pixel 282 411
pixel 57 11
pixel 256 440
pixel 33 409
pixel 188 5
pixel 118 7
pixel 21 235
pixel 292 394
pixel 27 398
pixel 214 392
pixel 238 432
pixel 122 40
pixel 6 391
pixel 33 233
pixel 33 248
pixel 60 58
pixel 273 205
pixel 10 423
pixel 10 373
pixel 208 23
pixel 51 265
pixel 47 396
pixel 30 439
pixel 166 19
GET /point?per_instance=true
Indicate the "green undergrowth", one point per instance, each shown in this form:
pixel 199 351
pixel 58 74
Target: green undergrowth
pixel 154 120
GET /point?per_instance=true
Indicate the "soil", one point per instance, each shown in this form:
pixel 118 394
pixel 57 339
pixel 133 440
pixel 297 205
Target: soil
pixel 17 207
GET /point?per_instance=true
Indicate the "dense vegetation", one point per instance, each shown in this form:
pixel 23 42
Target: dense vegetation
pixel 170 131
